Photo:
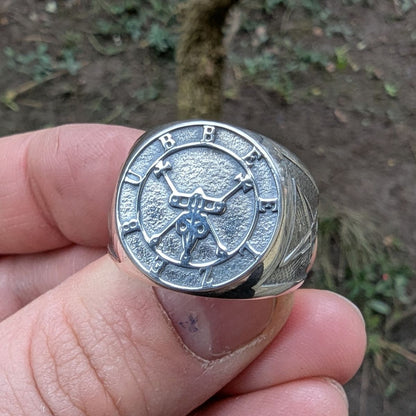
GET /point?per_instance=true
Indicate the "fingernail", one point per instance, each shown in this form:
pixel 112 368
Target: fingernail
pixel 333 383
pixel 212 328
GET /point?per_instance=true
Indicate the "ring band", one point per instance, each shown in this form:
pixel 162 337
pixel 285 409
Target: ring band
pixel 210 209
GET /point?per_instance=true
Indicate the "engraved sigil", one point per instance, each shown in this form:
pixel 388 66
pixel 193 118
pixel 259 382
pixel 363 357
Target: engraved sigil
pixel 198 206
pixel 207 209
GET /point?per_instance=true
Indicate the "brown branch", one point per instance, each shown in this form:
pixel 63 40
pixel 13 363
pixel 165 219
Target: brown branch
pixel 398 349
pixel 200 58
pixel 364 387
pixel 393 322
pixel 10 96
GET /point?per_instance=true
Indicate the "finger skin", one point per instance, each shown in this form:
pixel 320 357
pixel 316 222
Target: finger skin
pixel 324 336
pixel 307 397
pixel 24 277
pixel 100 344
pixel 56 185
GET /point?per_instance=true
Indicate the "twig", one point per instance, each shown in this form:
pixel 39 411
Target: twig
pixel 412 148
pixel 105 6
pixel 30 103
pixel 9 97
pixel 398 349
pixel 397 8
pixel 286 19
pixel 263 97
pixel 365 384
pixel 234 24
pixel 107 51
pixel 392 323
pixel 4 7
pixel 118 110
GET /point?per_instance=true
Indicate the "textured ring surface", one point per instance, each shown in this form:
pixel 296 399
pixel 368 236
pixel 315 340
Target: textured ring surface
pixel 211 209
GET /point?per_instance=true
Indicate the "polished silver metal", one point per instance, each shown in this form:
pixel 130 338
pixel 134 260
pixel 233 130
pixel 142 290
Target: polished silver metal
pixel 211 209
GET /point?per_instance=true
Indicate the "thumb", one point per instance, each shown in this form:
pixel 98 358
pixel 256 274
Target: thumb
pixel 103 343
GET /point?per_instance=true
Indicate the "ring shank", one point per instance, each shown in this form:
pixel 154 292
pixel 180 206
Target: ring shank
pixel 297 239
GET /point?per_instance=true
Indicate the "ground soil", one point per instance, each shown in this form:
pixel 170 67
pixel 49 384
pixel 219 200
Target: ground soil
pixel 358 141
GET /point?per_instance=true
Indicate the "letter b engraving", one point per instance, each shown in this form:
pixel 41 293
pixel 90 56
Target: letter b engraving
pixel 167 141
pixel 208 136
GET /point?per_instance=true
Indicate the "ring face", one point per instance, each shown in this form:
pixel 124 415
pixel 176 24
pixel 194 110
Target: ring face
pixel 198 206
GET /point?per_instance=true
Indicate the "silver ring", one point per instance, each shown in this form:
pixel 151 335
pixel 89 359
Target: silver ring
pixel 210 209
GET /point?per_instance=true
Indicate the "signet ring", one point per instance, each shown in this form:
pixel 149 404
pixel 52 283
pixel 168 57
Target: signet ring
pixel 211 209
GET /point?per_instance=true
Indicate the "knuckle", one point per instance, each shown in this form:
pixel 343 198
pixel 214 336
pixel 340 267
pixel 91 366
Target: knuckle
pixel 10 403
pixel 64 371
pixel 90 362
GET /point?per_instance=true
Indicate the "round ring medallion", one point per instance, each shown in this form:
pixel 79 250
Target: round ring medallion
pixel 198 206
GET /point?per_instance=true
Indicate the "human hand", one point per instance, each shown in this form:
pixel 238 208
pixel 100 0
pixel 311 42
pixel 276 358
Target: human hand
pixel 94 341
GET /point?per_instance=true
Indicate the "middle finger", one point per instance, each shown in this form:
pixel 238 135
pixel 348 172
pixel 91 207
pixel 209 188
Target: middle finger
pixel 25 277
pixel 323 337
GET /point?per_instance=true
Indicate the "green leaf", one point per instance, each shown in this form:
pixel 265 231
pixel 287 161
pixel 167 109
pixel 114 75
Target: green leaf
pixel 159 38
pixel 379 306
pixel 9 52
pixel 373 342
pixel 407 5
pixel 391 89
pixel 270 5
pixel 341 55
pixel 134 28
pixel 390 390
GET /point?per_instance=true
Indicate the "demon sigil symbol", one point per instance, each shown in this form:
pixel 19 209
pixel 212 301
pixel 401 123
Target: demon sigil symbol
pixel 194 223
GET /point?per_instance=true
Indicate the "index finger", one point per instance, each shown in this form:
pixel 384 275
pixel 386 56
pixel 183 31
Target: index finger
pixel 56 185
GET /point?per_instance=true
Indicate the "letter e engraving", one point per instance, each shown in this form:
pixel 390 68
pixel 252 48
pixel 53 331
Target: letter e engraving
pixel 267 204
pixel 167 141
pixel 252 157
pixel 208 136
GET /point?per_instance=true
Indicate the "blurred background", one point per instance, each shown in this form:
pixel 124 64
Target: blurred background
pixel 334 81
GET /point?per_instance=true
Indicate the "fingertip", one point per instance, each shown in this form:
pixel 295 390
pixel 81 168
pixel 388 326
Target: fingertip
pixel 323 337
pixel 57 185
pixel 339 390
pixel 307 397
pixel 76 167
pixel 340 326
